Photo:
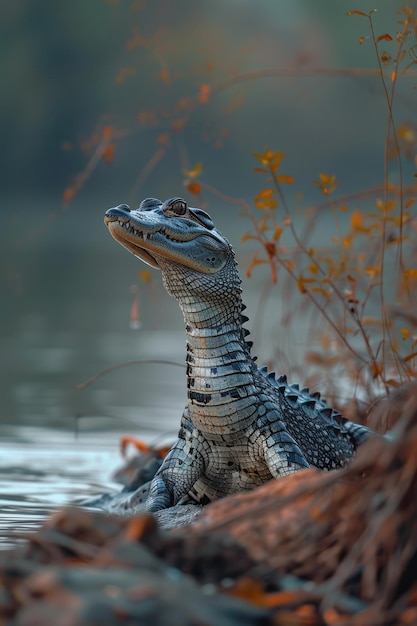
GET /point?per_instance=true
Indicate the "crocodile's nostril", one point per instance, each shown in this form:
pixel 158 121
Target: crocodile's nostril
pixel 124 207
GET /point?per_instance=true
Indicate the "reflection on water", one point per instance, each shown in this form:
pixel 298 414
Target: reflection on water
pixel 42 469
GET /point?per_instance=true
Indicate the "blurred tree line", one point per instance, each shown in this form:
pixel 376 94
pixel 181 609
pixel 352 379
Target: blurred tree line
pixel 69 68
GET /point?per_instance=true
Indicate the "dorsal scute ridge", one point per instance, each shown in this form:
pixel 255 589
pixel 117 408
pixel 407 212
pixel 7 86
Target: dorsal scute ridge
pixel 311 403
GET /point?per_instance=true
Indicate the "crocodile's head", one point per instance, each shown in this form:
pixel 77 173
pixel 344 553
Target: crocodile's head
pixel 170 232
pixel 197 263
pixel 195 259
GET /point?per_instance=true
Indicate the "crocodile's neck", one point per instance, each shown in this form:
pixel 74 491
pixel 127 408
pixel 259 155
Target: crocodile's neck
pixel 219 366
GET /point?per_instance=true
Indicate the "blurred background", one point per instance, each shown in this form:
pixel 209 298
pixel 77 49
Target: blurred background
pixel 106 102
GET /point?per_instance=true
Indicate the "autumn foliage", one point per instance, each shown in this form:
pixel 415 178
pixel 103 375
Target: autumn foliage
pixel 363 281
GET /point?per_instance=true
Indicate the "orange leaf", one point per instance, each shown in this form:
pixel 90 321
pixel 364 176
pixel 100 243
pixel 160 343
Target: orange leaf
pixel 165 76
pixel 68 194
pixel 194 188
pixel 409 202
pixel 124 73
pixel 134 314
pixel 285 179
pixel 314 357
pixel 254 262
pixel 265 193
pixel 302 282
pixel 108 154
pixel 385 36
pixel 264 199
pixel 107 132
pixel 204 93
pixel 164 139
pixel 356 12
pixel 270 248
pixel 178 125
pixel 248 236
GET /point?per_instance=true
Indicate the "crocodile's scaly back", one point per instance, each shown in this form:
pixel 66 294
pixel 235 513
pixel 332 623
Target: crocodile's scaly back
pixel 242 425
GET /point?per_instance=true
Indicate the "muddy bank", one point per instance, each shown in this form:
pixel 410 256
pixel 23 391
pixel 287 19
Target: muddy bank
pixel 314 548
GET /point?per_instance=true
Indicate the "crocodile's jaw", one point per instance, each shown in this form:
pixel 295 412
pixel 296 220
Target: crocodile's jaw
pixel 128 237
pixel 156 234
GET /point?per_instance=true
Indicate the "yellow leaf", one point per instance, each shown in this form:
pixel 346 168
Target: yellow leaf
pixel 277 233
pixel 145 276
pixel 385 207
pixel 372 272
pixel 405 333
pixel 327 179
pixel 264 199
pixel 194 172
pixel 410 274
pixel 356 220
pixel 270 159
pixel 323 292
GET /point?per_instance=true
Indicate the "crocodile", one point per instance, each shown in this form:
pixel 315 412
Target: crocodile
pixel 242 425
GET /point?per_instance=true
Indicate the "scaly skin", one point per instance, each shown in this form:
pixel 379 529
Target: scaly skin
pixel 241 426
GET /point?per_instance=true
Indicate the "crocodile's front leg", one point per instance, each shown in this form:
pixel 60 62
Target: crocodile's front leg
pixel 280 450
pixel 181 468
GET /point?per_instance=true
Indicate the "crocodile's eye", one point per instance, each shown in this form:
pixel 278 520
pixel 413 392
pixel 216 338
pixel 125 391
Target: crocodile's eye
pixel 179 207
